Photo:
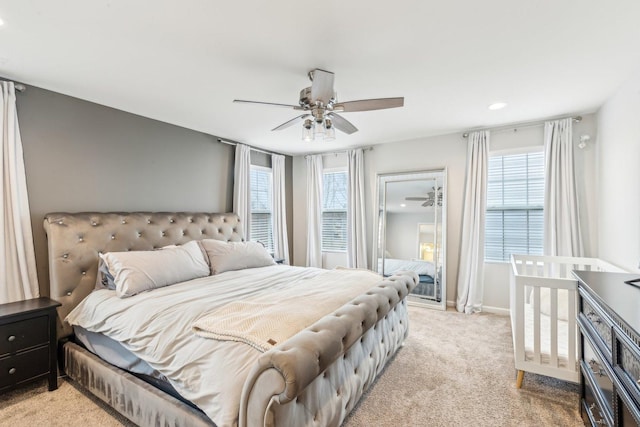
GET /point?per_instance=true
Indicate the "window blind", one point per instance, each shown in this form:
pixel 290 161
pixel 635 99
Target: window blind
pixel 334 211
pixel 514 222
pixel 261 207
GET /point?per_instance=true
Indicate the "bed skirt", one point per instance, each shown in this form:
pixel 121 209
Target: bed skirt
pixel 137 400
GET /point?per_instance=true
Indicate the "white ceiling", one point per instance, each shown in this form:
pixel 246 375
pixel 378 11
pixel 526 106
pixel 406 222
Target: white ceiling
pixel 183 62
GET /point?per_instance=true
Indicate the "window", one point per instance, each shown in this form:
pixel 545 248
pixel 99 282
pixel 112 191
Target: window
pixel 334 211
pixel 515 202
pixel 261 206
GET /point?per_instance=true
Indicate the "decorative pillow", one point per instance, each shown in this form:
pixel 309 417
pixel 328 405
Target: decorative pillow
pixel 227 256
pixel 104 278
pixel 139 271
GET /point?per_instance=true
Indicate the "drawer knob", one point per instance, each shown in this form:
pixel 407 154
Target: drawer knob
pixel 12 371
pixel 11 338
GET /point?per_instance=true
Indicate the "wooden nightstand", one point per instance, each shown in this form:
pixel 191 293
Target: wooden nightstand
pixel 28 348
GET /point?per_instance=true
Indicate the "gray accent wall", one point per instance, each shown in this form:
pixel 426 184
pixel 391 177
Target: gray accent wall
pixel 81 156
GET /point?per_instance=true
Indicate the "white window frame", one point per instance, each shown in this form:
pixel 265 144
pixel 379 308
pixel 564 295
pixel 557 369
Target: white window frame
pixel 512 152
pixel 327 171
pixel 268 244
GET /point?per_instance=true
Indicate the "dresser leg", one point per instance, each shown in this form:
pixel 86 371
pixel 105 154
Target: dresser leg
pixel 519 379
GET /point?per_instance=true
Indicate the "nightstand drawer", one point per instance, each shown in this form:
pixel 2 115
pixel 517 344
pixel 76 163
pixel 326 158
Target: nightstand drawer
pixel 23 334
pixel 25 366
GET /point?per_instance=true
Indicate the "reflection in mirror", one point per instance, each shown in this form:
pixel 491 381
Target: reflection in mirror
pixel 410 231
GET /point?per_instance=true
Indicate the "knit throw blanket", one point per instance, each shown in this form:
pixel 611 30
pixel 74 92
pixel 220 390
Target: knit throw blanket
pixel 264 324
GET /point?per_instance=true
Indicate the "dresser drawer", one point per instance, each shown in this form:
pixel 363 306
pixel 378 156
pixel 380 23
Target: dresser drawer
pixel 592 413
pixel 627 363
pixel 24 366
pixel 600 323
pixel 595 368
pixel 23 334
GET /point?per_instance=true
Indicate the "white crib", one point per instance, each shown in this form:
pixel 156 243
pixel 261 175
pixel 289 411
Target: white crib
pixel 543 304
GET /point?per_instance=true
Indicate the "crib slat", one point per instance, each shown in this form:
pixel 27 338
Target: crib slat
pixel 553 311
pixel 572 325
pixel 536 324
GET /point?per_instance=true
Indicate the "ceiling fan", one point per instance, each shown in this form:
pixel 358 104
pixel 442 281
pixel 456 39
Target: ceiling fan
pixel 430 200
pixel 320 108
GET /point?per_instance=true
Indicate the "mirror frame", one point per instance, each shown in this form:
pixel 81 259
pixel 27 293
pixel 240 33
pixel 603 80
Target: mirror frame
pixel 379 230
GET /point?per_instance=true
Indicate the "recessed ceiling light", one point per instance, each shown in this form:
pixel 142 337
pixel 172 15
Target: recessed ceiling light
pixel 497 106
pixel 1 22
pixel 403 205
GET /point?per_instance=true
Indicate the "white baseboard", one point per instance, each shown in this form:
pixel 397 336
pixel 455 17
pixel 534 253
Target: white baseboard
pixel 485 309
pixel 496 310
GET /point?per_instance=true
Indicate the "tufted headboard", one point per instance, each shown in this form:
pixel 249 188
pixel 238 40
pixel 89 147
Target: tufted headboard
pixel 75 239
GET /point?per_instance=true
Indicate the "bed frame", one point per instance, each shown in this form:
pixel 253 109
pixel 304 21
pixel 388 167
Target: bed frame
pixel 530 276
pixel 314 378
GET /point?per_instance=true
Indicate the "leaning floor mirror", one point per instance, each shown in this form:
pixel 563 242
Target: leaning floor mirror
pixel 411 231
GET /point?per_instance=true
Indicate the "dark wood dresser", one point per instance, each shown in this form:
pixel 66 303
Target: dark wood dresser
pixel 28 347
pixel 609 320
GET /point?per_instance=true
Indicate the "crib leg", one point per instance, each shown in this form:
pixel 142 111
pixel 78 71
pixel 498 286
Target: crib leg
pixel 519 379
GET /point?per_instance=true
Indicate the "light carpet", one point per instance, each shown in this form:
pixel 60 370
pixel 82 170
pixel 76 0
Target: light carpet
pixel 454 370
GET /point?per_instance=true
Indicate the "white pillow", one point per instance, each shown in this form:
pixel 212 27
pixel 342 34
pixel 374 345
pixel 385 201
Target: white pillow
pixel 139 271
pixel 227 256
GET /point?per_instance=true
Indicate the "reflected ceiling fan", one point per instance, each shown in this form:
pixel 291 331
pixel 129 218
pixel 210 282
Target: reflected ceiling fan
pixel 430 200
pixel 320 106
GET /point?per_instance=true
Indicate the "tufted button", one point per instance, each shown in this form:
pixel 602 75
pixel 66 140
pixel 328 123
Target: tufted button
pixel 60 222
pixel 191 220
pixel 171 221
pixel 203 231
pixel 124 222
pixel 224 219
pixel 113 237
pixel 80 239
pixel 183 233
pixel 164 234
pixel 69 293
pixel 84 273
pixel 65 256
pixel 219 230
pixel 139 234
pixel 324 375
pixel 148 221
pixel 338 392
pixel 94 223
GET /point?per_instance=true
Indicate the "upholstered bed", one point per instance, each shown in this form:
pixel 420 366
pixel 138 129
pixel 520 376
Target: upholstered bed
pixel 315 377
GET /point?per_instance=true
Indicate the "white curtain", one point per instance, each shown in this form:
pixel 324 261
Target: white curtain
pixel 314 211
pixel 561 216
pixel 18 276
pixel 356 231
pixel 242 187
pixel 280 239
pixel 471 262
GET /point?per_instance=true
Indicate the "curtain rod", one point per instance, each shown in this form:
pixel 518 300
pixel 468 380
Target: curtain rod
pixel 335 153
pixel 20 87
pixel 250 147
pixel 515 127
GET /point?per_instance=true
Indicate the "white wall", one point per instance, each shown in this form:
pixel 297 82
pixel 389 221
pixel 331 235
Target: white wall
pixel 450 151
pixel 619 175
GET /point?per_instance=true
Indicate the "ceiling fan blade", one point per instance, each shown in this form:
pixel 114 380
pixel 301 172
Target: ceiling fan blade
pixel 369 104
pixel 292 122
pixel 322 86
pixel 416 198
pixel 342 124
pixel 295 107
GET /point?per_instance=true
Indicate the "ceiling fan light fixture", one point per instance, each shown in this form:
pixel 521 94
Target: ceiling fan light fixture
pixel 307 130
pixel 330 131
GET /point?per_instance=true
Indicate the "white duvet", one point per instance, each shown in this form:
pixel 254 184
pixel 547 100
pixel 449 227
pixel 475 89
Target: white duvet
pixel 157 327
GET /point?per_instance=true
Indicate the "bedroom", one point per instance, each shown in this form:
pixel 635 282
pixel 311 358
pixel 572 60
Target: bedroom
pixel 95 139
